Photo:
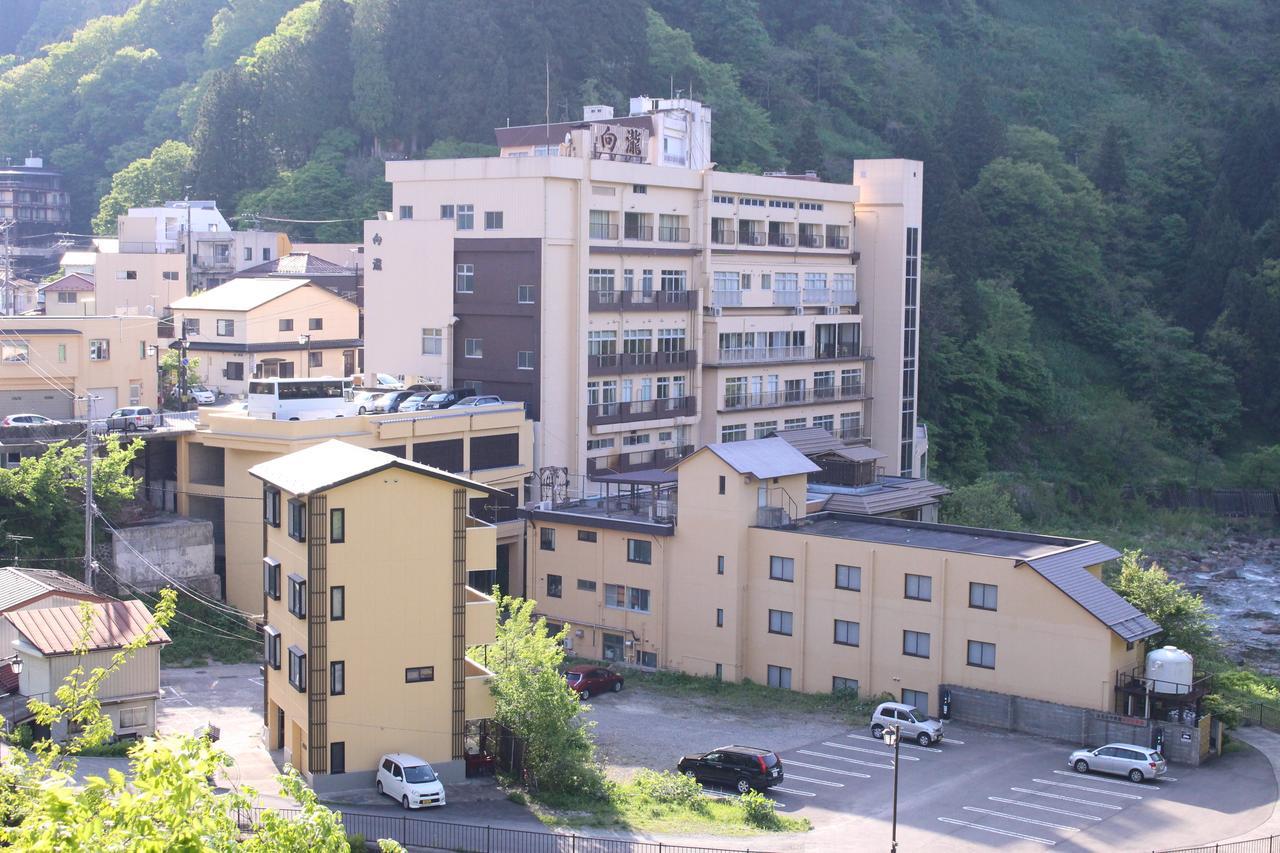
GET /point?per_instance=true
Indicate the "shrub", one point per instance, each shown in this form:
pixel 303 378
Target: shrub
pixel 518 798
pixel 670 788
pixel 757 810
pixel 24 737
pixel 357 843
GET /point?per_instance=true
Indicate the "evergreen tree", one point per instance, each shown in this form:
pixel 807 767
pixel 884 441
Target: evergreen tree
pixel 806 153
pixel 229 152
pixel 1109 172
pixel 974 134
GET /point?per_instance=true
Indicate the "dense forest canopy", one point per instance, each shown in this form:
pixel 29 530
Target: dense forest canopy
pixel 1102 286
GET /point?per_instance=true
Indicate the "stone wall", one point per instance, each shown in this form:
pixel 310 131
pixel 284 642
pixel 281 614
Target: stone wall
pixel 1078 726
pixel 180 548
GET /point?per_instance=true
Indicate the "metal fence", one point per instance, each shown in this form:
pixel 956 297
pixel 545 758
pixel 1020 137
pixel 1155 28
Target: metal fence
pixel 1270 844
pixel 468 838
pixel 1263 714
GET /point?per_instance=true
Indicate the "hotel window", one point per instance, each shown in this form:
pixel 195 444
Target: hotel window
pixel 764 429
pixel 722 484
pixel 524 294
pixel 639 551
pixel 826 422
pixel 673 280
pixel 840 684
pixel 847 633
pixel 638 599
pixel 446 211
pixel 493 220
pixel 99 349
pixel 779 676
pixel 722 199
pixel 473 348
pixel 795 423
pixel 432 341
pixel 286 325
pixel 555 586
pixel 337 525
pixel 67 298
pixel 173 275
pixel 586 586
pixel 547 539
pixel 720 564
pixel 298 596
pixel 982 654
pixel 524 359
pixel 337 677
pixel 337 603
pixel 917 699
pixel 466 217
pixel 915 644
pixel 919 588
pixel 671 340
pixel 271 506
pixel 586 536
pixel 615 596
pixel 315 359
pixel 982 596
pixel 599 443
pixel 298 669
pixel 600 279
pixel 640 189
pixel 315 324
pixel 719 617
pixel 419 674
pixel 271 577
pixel 235 370
pixel 297 512
pixel 635 440
pixel 191 327
pixel 602 342
pixel 848 577
pixel 271 647
pixel 733 432
pixel 464 279
pixel 750 202
pixel 18 353
pixel 726 281
pixel 62 353
pixel 648 660
pixel 782 569
pixel 780 622
pixel 406 211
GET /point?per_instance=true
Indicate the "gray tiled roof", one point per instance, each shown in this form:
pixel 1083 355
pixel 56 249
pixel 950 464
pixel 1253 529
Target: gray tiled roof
pixel 1067 571
pixel 763 458
pixel 20 585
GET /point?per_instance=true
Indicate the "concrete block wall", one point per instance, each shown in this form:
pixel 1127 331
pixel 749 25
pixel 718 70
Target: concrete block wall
pixel 181 548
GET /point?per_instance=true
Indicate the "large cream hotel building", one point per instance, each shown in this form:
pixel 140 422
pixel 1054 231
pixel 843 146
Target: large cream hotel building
pixel 642 303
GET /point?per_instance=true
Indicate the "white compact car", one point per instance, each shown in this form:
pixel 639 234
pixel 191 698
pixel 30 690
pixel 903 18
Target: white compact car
pixel 914 724
pixel 1139 763
pixel 410 780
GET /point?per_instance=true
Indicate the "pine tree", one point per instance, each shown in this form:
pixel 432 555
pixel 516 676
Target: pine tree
pixel 230 154
pixel 807 151
pixel 1109 172
pixel 974 134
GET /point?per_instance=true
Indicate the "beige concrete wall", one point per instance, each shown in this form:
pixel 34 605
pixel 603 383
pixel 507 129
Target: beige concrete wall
pixel 148 290
pixel 84 306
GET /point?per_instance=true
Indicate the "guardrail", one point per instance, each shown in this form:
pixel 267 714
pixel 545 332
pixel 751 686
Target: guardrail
pixel 1270 844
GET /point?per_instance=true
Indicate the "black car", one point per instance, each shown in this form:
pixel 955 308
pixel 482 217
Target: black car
pixel 446 399
pixel 739 767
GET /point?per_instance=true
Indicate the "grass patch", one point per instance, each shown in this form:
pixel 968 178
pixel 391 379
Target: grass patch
pixel 202 634
pixel 666 803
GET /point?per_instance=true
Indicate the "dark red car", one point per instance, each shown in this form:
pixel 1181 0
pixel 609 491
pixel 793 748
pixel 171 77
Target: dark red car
pixel 589 680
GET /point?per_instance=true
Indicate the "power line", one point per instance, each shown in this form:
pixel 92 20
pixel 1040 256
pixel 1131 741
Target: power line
pixel 296 221
pixel 214 630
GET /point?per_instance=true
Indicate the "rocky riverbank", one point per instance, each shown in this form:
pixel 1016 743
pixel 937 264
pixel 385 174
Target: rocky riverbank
pixel 1239 579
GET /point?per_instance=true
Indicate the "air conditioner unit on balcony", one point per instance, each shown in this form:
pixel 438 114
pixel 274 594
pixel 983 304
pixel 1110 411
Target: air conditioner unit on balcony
pixel 833 309
pixel 798 310
pixel 715 311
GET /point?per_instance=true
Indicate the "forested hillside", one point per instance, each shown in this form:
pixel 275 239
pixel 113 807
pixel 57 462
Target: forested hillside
pixel 1102 289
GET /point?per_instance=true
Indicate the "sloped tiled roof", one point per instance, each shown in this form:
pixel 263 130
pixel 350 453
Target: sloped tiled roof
pixel 816 441
pixel 72 282
pixel 112 624
pixel 1067 570
pixel 886 497
pixel 331 463
pixel 301 264
pixel 763 458
pixel 20 585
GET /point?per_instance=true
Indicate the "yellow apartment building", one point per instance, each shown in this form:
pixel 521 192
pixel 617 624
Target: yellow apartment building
pixel 204 473
pixel 642 302
pixel 367 611
pixel 251 328
pixel 49 365
pixel 727 573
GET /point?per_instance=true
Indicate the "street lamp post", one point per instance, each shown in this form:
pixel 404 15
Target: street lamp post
pixel 892 737
pixel 305 341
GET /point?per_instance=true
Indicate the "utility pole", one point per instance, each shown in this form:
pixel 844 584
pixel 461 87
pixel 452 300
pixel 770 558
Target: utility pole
pixel 6 226
pixel 188 242
pixel 892 737
pixel 89 564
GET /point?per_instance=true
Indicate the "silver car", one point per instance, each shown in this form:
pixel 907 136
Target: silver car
pixel 1139 763
pixel 915 724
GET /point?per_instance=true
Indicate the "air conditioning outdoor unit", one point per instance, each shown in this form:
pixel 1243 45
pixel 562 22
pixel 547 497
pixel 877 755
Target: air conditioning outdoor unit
pixel 715 311
pixel 798 311
pixel 833 309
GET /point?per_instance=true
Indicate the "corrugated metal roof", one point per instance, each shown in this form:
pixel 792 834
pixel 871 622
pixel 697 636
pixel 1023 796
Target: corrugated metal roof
pixel 112 624
pixel 241 294
pixel 1067 570
pixel 860 454
pixel 811 440
pixel 19 585
pixel 325 465
pixel 887 498
pixel 763 458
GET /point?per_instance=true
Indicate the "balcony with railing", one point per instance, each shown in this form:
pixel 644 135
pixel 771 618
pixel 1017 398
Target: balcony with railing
pixel 817 296
pixel 782 238
pixel 613 364
pixel 636 231
pixel 839 352
pixel 786 297
pixel 752 238
pixel 837 241
pixel 726 298
pixel 673 234
pixel 845 297
pixel 640 460
pixel 812 241
pixel 642 300
pixel 652 509
pixel 761 355
pixel 641 410
pixel 724 237
pixel 604 231
pixel 778 399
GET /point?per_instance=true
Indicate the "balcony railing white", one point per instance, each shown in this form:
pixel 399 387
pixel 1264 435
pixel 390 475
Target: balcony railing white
pixel 817 296
pixel 844 297
pixel 747 355
pixel 786 297
pixel 726 298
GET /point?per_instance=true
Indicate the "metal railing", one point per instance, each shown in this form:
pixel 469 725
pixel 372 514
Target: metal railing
pixel 641 300
pixel 837 242
pixel 641 410
pixel 779 238
pixel 724 238
pixel 749 355
pixel 844 297
pixel 1265 715
pixel 475 838
pixel 777 399
pixel 752 238
pixel 639 362
pixel 840 351
pixel 726 298
pixel 1269 844
pixel 812 241
pixel 638 460
pixel 603 231
pixel 673 234
pixel 638 232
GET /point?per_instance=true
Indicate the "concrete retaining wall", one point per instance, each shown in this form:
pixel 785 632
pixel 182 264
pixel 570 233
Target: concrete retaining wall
pixel 181 548
pixel 1079 726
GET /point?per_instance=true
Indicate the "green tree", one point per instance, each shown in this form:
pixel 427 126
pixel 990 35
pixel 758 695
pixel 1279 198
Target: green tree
pixel 981 504
pixel 169 371
pixel 150 180
pixel 44 496
pixel 230 152
pixel 806 153
pixel 532 698
pixel 1110 173
pixel 1183 619
pixel 974 134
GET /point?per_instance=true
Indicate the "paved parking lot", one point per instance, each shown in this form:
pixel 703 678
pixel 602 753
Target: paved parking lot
pixel 978 789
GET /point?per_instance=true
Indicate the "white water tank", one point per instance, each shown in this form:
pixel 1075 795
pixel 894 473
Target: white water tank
pixel 1169 670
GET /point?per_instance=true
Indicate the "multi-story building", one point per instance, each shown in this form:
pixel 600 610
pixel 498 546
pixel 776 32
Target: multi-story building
pixel 33 208
pixel 204 473
pixel 789 594
pixel 51 365
pixel 641 302
pixel 250 328
pixel 367 611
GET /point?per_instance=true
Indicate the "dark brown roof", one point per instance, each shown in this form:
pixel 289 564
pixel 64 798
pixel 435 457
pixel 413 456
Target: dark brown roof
pixel 296 264
pixel 553 134
pixel 112 624
pixel 72 282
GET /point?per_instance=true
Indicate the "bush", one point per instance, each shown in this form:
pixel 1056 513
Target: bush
pixel 757 810
pixel 24 737
pixel 357 843
pixel 111 749
pixel 670 788
pixel 518 798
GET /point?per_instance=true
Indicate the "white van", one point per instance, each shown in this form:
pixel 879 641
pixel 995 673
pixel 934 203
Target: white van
pixel 409 780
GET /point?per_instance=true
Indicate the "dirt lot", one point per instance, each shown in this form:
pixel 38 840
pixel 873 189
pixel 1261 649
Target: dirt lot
pixel 642 728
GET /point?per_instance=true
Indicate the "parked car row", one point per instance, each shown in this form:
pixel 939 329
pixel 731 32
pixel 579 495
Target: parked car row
pixel 380 402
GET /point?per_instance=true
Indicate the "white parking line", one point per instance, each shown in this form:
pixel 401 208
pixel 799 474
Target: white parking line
pixel 1035 793
pixel 953 740
pixel 791 762
pixel 173 694
pixel 856 760
pixel 1063 827
pixel 905 745
pixel 1145 785
pixel 879 752
pixel 1041 808
pixel 1086 788
pixel 792 791
pixel 815 781
pixel 257 681
pixel 1049 841
pixel 843 758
